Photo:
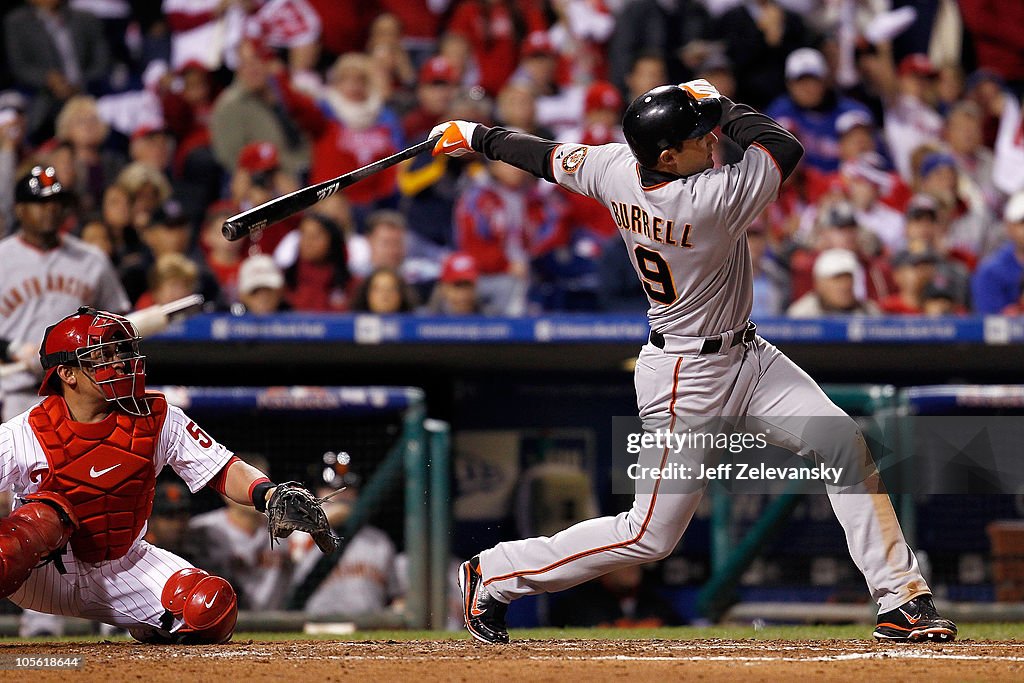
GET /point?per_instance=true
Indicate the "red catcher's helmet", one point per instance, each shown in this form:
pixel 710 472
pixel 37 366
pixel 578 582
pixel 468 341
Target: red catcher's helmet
pixel 106 347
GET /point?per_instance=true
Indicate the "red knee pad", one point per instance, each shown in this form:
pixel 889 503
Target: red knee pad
pixel 29 534
pixel 207 604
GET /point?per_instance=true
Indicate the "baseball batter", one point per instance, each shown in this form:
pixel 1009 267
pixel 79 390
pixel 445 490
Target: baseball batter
pixel 683 223
pixel 44 276
pixel 83 466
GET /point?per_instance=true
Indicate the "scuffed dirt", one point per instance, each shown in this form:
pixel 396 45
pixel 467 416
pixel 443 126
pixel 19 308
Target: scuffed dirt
pixel 535 660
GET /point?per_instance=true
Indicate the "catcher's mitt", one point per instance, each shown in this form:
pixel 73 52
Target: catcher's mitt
pixel 294 508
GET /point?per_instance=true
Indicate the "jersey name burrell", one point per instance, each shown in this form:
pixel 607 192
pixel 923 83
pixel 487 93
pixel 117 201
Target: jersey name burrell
pixel 685 238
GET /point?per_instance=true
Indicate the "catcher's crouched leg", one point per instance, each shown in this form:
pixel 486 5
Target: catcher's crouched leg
pixel 30 533
pixel 206 604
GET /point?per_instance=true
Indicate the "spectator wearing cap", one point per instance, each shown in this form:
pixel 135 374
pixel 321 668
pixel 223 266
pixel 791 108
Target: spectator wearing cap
pixel 864 186
pixel 912 271
pixel 601 125
pixel 925 234
pixel 53 52
pixel 835 274
pixel 997 282
pixel 911 120
pixel 837 228
pixel 36 252
pixel 428 184
pixel 858 142
pixel 759 36
pixel 435 88
pixel 971 224
pixel 357 128
pixel 964 136
pixel 455 292
pixel 496 30
pixel 261 104
pixel 319 280
pixel 811 108
pixel 79 126
pixel 602 116
pixel 259 177
pixel 559 105
pixel 152 145
pixel 14 148
pixel 260 287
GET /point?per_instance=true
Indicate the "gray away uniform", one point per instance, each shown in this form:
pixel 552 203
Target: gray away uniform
pixel 686 239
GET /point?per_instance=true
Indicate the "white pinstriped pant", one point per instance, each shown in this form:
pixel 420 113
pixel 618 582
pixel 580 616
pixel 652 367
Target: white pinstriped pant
pixel 753 379
pixel 124 592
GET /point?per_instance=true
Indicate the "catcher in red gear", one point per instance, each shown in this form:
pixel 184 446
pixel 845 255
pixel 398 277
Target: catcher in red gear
pixel 83 465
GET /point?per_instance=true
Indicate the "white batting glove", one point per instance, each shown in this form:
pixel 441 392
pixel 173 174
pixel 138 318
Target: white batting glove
pixel 456 138
pixel 700 89
pixel 28 355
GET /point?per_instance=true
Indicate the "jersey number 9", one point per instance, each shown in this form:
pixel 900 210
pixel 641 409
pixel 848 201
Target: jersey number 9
pixel 656 276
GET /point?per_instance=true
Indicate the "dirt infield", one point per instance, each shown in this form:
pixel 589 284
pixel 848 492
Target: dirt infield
pixel 550 660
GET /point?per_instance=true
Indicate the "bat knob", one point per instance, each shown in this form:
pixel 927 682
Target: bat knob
pixel 232 231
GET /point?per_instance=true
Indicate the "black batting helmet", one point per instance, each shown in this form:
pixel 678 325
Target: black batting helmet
pixel 40 185
pixel 663 117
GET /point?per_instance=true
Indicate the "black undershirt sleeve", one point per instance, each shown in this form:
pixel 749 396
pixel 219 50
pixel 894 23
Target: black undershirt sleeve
pixel 528 152
pixel 4 347
pixel 746 126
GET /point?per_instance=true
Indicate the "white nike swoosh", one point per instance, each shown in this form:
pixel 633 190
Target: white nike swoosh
pixel 93 472
pixel 446 145
pixel 209 603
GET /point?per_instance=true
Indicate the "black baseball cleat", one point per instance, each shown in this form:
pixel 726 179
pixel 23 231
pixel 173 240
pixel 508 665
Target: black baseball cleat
pixel 915 621
pixel 485 616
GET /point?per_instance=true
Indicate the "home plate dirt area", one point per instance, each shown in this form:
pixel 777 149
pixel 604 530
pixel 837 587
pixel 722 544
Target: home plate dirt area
pixel 550 660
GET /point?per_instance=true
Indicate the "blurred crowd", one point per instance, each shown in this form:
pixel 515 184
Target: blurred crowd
pixel 166 118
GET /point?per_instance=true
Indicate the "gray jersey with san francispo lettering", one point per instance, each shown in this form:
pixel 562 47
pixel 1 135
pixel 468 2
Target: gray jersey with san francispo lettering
pixel 686 237
pixel 38 288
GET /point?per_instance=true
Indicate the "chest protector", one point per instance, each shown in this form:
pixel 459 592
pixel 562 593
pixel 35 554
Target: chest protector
pixel 105 469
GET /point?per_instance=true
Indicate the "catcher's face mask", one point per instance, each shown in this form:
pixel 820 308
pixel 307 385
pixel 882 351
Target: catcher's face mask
pixel 106 347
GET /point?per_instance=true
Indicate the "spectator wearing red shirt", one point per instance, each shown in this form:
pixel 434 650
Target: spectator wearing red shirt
pixel 455 292
pixel 223 258
pixel 503 222
pixel 319 278
pixel 912 273
pixel 354 129
pixel 496 29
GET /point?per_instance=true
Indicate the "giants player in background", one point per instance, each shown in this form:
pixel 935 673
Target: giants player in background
pixel 83 464
pixel 44 275
pixel 684 224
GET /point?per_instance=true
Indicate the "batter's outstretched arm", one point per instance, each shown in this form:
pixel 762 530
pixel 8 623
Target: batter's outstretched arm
pixel 746 125
pixel 527 152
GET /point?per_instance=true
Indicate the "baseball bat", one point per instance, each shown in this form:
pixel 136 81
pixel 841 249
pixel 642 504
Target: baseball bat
pixel 148 321
pixel 268 213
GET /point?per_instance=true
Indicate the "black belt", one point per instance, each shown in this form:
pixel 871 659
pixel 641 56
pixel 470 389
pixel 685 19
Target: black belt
pixel 712 344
